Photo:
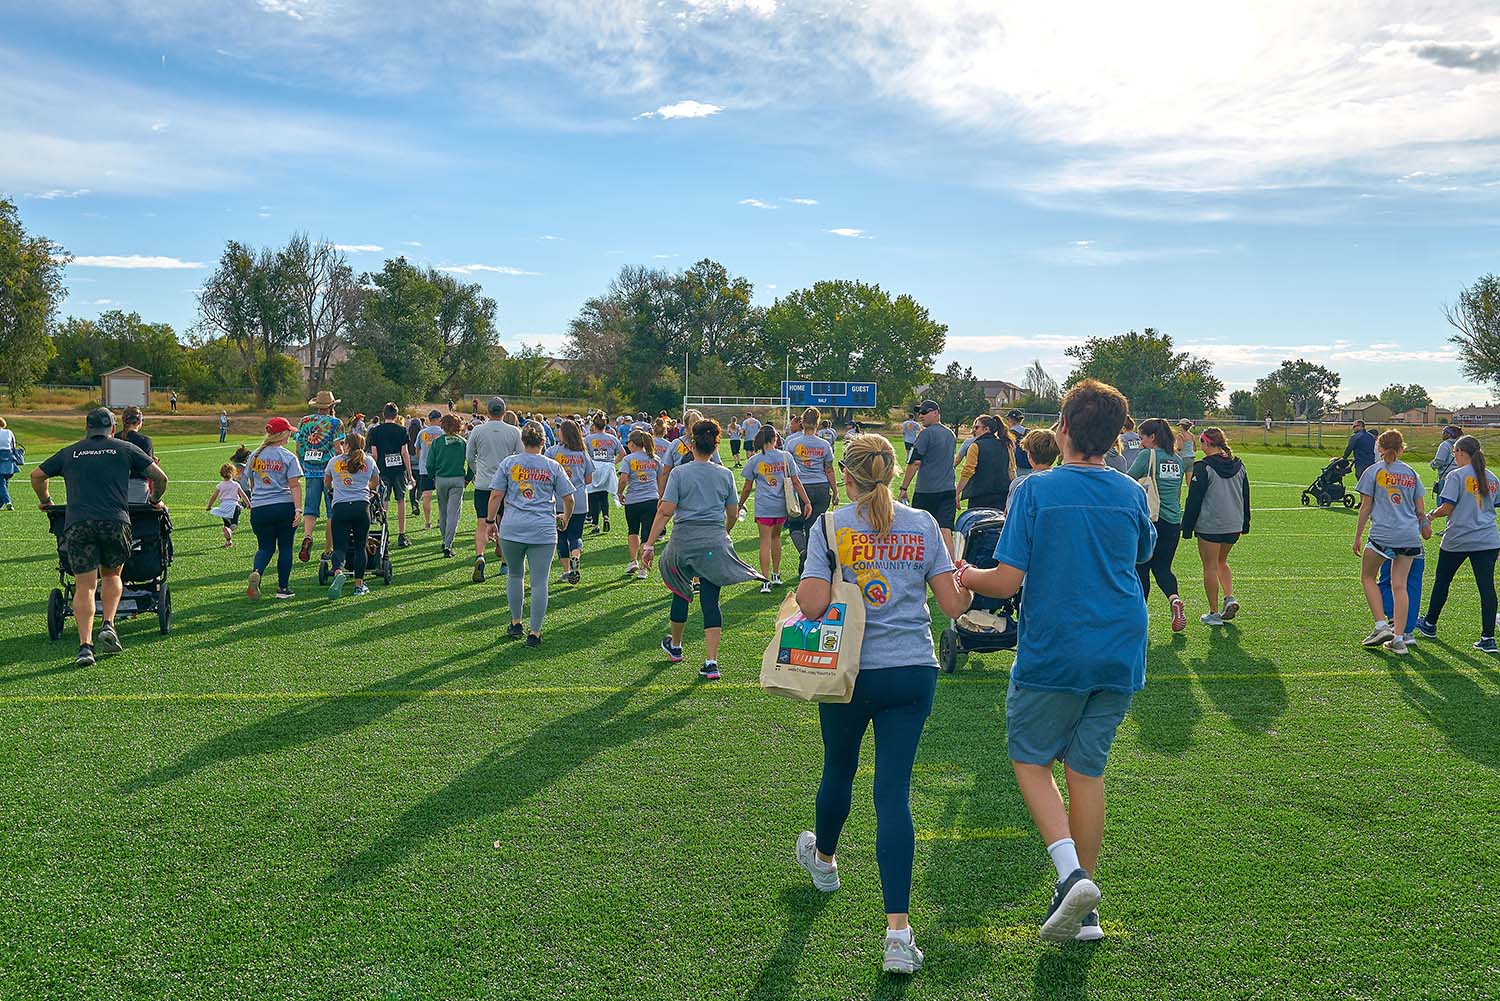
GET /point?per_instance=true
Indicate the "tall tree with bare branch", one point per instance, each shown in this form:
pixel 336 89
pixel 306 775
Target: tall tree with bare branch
pixel 323 288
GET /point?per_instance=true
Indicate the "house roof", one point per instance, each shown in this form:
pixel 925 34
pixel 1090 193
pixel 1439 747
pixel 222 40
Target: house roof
pixel 1362 405
pixel 125 368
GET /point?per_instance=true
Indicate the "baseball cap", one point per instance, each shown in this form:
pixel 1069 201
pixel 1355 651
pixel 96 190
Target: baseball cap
pixel 497 405
pixel 927 407
pixel 279 425
pixel 99 419
pixel 1014 415
pixel 433 415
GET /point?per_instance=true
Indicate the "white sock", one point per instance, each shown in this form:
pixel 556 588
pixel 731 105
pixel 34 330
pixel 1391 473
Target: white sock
pixel 825 866
pixel 1064 857
pixel 900 934
pixel 1383 624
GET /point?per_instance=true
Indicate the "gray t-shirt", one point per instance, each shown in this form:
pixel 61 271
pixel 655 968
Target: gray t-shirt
pixel 1394 488
pixel 681 453
pixel 640 470
pixel 490 444
pixel 892 572
pixel 1471 526
pixel 768 471
pixel 605 449
pixel 268 475
pixel 702 491
pixel 578 466
pixel 813 455
pixel 530 484
pixel 934 450
pixel 347 485
pixel 750 428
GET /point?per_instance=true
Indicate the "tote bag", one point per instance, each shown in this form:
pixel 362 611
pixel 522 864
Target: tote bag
pixel 1153 489
pixel 793 499
pixel 817 660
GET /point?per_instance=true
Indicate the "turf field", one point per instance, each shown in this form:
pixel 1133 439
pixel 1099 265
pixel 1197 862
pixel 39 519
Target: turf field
pixel 381 798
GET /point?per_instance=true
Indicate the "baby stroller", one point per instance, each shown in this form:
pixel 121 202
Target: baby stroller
pixel 377 547
pixel 990 623
pixel 1329 486
pixel 144 576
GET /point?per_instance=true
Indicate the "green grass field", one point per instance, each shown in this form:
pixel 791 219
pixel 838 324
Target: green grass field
pixel 381 798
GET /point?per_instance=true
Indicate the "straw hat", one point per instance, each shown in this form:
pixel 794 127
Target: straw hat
pixel 323 399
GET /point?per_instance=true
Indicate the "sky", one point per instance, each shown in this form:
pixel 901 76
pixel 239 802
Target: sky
pixel 1260 179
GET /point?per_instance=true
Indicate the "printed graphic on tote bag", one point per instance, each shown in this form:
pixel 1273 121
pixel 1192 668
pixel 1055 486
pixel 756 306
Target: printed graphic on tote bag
pixel 813 643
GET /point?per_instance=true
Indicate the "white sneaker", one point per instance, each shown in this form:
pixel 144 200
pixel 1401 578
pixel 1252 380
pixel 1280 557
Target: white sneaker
pixel 1231 609
pixel 765 587
pixel 824 877
pixel 902 955
pixel 776 580
pixel 1378 635
pixel 630 570
pixel 1396 644
pixel 641 573
pixel 1211 619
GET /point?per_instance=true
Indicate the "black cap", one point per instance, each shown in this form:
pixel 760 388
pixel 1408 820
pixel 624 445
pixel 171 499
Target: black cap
pixel 497 405
pixel 433 415
pixel 1014 415
pixel 927 407
pixel 99 419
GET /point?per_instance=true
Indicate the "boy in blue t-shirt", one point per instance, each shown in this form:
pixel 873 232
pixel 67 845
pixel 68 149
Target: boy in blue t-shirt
pixel 1077 535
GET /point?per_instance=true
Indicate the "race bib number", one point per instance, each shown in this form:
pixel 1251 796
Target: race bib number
pixel 393 461
pixel 312 455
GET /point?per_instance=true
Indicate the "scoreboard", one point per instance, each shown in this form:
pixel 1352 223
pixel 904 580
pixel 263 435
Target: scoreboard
pixel 851 395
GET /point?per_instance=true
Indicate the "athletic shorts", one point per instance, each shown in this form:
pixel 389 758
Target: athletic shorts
pixel 771 522
pixel 1042 727
pixel 426 482
pixel 1391 552
pixel 941 504
pixel 1223 538
pixel 639 516
pixel 313 492
pixel 395 480
pixel 482 504
pixel 94 544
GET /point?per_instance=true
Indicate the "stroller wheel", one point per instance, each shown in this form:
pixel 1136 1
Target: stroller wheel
pixel 322 573
pixel 948 651
pixel 164 609
pixel 1350 500
pixel 385 570
pixel 56 609
pixel 1306 500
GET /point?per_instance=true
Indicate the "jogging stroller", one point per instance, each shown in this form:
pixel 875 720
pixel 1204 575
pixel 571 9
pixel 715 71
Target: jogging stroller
pixel 990 623
pixel 377 547
pixel 1329 486
pixel 144 576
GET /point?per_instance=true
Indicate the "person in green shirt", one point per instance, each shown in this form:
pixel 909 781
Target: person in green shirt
pixel 445 464
pixel 1158 460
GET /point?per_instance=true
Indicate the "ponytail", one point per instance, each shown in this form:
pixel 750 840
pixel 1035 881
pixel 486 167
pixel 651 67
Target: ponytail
pixel 1469 445
pixel 1391 443
pixel 871 464
pixel 1215 437
pixel 355 459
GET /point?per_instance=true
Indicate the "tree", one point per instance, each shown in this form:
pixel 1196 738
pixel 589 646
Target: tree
pixel 360 381
pixel 1042 392
pixel 250 300
pixel 958 394
pixel 31 288
pixel 847 330
pixel 466 331
pixel 326 298
pixel 1309 389
pixel 1400 398
pixel 398 325
pixel 1242 404
pixel 1476 318
pixel 1157 380
pixel 1271 401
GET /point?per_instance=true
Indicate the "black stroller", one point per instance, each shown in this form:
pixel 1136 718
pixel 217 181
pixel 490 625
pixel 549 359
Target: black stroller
pixel 377 547
pixel 990 623
pixel 1329 486
pixel 144 576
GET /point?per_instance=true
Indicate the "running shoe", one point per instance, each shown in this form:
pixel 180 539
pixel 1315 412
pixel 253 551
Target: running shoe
pixel 336 586
pixel 776 580
pixel 902 955
pixel 252 589
pixel 479 569
pixel 641 574
pixel 1211 619
pixel 1231 608
pixel 709 671
pixel 674 653
pixel 1487 645
pixel 1425 628
pixel 630 570
pixel 1396 644
pixel 1378 635
pixel 402 542
pixel 282 593
pixel 606 524
pixel 1179 615
pixel 515 631
pixel 593 529
pixel 1090 930
pixel 359 591
pixel 447 553
pixel 108 639
pixel 765 587
pixel 85 656
pixel 533 640
pixel 1073 899
pixel 304 553
pixel 573 577
pixel 825 876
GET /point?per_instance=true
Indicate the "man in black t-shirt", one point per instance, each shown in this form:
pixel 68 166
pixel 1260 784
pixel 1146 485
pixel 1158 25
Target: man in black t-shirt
pixel 96 530
pixel 387 445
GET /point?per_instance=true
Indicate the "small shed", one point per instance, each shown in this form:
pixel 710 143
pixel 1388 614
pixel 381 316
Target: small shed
pixel 126 387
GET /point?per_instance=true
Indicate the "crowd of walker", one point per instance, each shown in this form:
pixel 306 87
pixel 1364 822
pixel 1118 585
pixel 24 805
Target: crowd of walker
pixel 1086 541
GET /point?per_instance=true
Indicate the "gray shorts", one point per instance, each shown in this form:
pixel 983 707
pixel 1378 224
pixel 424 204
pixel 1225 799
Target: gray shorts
pixel 1043 727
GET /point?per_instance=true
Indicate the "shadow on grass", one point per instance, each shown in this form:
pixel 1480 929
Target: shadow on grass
pixel 1457 706
pixel 504 780
pixel 1166 711
pixel 801 905
pixel 1252 703
pixel 1062 974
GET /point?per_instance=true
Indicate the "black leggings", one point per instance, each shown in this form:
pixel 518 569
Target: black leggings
pixel 1160 564
pixel 1483 562
pixel 598 505
pixel 350 521
pixel 708 595
pixel 799 528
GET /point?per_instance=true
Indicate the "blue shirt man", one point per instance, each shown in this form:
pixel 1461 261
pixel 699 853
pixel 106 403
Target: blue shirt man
pixel 1362 447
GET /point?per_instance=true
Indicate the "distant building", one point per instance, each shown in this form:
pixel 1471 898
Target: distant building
pixel 1468 417
pixel 304 355
pixel 1000 393
pixel 125 387
pixel 1430 414
pixel 1369 411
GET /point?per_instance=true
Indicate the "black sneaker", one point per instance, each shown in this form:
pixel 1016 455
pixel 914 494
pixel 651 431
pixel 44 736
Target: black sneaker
pixel 606 526
pixel 108 639
pixel 447 553
pixel 533 640
pixel 1073 899
pixel 674 653
pixel 402 542
pixel 515 631
pixel 282 593
pixel 479 570
pixel 85 656
pixel 709 671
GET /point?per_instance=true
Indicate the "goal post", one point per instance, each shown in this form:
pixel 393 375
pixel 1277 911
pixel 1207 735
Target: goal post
pixel 722 408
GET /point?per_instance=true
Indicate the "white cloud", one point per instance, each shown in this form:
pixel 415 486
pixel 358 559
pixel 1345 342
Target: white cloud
pixel 55 193
pixel 662 257
pixel 1054 343
pixel 263 215
pixel 1087 254
pixel 853 234
pixel 136 262
pixel 1386 355
pixel 756 203
pixel 801 201
pixel 359 248
pixel 548 236
pixel 765 8
pixel 101 302
pixel 411 243
pixel 158 126
pixel 297 10
pixel 683 109
pixel 499 269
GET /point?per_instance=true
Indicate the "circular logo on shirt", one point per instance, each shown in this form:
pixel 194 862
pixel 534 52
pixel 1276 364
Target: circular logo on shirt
pixel 876 590
pixel 1395 496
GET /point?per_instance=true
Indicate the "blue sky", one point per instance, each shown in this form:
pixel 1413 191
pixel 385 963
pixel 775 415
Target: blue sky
pixel 1262 180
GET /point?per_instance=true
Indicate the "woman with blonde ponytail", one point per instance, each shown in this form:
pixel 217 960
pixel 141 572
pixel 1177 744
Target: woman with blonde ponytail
pixel 895 554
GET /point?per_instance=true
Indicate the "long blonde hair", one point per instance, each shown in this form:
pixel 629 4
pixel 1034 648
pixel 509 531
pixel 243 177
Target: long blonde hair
pixel 871 464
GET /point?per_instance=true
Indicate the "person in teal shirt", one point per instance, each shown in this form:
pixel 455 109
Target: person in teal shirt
pixel 1157 460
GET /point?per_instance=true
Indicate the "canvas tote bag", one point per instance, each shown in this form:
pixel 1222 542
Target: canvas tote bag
pixel 793 499
pixel 1153 489
pixel 817 660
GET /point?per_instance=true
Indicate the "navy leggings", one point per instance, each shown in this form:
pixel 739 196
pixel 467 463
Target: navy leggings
pixel 274 531
pixel 571 537
pixel 898 701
